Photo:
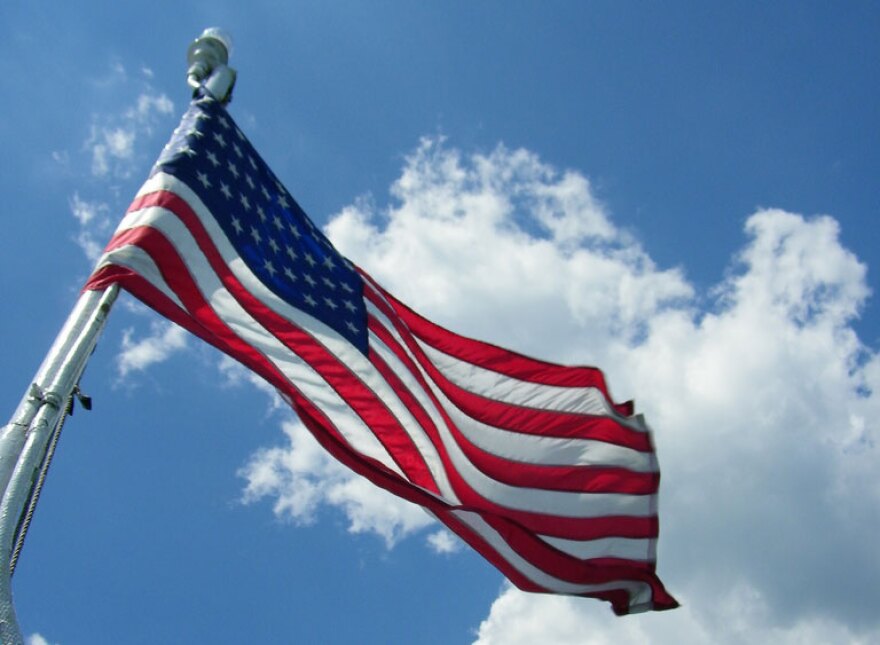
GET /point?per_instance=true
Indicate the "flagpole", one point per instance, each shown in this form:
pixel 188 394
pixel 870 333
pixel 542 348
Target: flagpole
pixel 27 441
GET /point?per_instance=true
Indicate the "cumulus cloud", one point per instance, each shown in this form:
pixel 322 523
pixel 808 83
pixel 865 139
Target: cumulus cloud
pixel 235 375
pixel 113 138
pixel 115 147
pixel 302 477
pixel 740 615
pixel 444 542
pixel 163 340
pixel 37 639
pixel 506 237
pixel 762 395
pixel 95 225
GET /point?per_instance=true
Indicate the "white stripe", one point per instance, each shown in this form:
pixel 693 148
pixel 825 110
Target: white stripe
pixel 139 261
pixel 611 547
pixel 500 387
pixel 639 592
pixel 562 503
pixel 517 446
pixel 507 389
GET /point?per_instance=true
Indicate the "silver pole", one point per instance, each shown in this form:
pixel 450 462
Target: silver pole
pixel 24 440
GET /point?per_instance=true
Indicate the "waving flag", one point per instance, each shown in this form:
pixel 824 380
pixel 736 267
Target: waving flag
pixel 530 463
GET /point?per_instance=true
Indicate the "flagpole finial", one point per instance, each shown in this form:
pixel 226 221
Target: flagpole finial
pixel 207 59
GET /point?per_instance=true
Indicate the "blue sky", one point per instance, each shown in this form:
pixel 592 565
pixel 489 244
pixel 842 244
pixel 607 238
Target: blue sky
pixel 712 246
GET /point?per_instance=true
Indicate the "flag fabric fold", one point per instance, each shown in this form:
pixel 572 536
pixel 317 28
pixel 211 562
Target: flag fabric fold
pixel 530 463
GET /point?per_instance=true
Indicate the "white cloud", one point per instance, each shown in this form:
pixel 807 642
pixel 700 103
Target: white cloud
pixel 165 338
pixel 764 401
pixel 113 140
pixel 235 374
pixel 115 148
pixel 302 477
pixel 94 225
pixel 37 639
pixel 149 106
pixel 505 237
pixel 444 541
pixel 740 615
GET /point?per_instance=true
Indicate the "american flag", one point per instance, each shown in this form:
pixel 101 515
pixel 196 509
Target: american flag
pixel 530 463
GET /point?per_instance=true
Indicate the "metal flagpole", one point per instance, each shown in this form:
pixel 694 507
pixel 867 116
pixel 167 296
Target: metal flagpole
pixel 27 441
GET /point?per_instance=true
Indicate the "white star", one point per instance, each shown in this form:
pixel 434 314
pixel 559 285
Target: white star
pixel 352 327
pixel 245 201
pixel 294 230
pixel 311 301
pixel 225 190
pixel 329 282
pixel 224 122
pixel 195 132
pixel 253 163
pixel 237 149
pixel 346 287
pixel 236 224
pixel 331 304
pixel 279 224
pixel 270 268
pixel 349 305
pixel 283 201
pixel 219 139
pixel 291 253
pixel 266 195
pixel 290 274
pixel 250 182
pixel 274 245
pixel 203 177
pixel 233 169
pixel 329 263
pixel 261 213
pixel 312 261
pixel 310 280
pixel 213 158
pixel 185 149
pixel 239 133
pixel 255 233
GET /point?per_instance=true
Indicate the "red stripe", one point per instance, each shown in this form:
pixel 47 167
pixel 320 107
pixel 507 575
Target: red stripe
pixel 495 358
pixel 499 359
pixel 552 525
pixel 547 423
pixel 588 479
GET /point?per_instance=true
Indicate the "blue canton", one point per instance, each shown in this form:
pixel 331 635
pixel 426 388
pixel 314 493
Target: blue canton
pixel 268 229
